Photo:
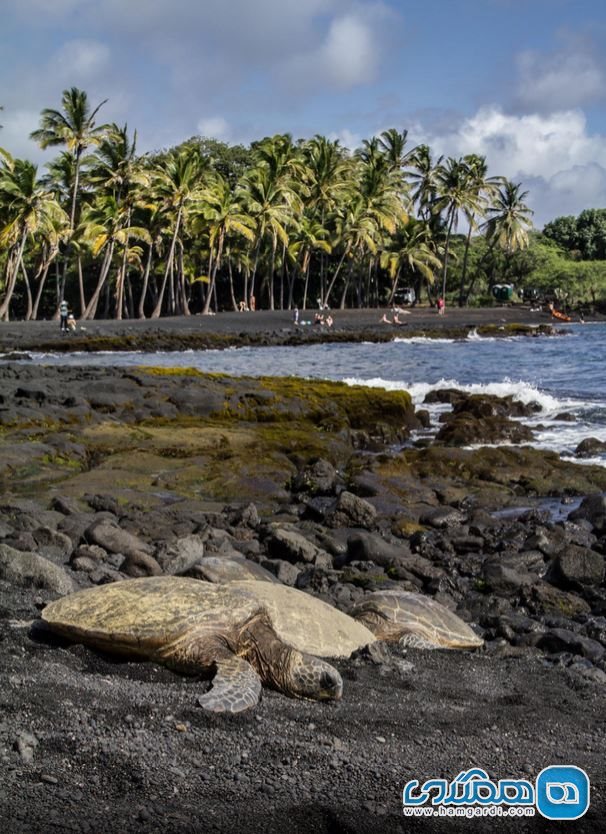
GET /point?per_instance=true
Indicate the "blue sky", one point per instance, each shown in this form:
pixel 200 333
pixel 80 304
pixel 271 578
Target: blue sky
pixel 521 81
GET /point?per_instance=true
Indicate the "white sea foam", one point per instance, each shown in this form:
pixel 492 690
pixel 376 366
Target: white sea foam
pixel 519 390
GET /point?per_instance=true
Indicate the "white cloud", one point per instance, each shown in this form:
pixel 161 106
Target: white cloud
pixel 568 78
pixel 215 127
pixel 554 156
pixel 14 136
pixel 349 55
pixel 78 61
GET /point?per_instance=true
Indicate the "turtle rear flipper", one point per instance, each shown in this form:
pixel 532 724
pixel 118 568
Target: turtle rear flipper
pixel 236 687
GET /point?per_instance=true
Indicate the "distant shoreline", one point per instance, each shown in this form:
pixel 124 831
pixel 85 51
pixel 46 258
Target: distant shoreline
pixel 263 327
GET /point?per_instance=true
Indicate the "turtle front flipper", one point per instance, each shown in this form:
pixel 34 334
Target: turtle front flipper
pixel 236 686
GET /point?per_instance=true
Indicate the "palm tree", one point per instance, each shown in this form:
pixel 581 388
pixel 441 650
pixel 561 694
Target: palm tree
pixel 424 175
pixel 105 225
pixel 484 188
pixel 455 194
pixel 73 126
pixel 178 183
pixel 413 253
pixel 269 200
pixel 28 209
pixel 331 183
pixel 510 218
pixel 222 214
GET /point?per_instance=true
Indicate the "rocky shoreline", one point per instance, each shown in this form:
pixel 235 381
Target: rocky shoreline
pixel 109 474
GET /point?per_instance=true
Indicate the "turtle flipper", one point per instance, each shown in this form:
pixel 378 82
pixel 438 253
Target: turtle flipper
pixel 236 687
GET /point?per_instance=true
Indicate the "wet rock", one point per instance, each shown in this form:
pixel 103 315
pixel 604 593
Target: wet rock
pixel 351 511
pixel 592 509
pixel 507 573
pixel 557 640
pixel 371 547
pixel 292 546
pixel 178 557
pixel 113 539
pixel 464 429
pixel 53 544
pixel 590 447
pixel 577 566
pixel 139 563
pixel 318 479
pixel 31 570
pixel 442 517
pixel 545 599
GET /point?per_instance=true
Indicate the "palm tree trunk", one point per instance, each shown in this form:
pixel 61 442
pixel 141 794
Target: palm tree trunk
pixel 81 286
pixel 232 293
pixel 446 247
pixel 274 245
pixel 42 280
pixel 334 277
pixel 12 280
pixel 28 290
pixel 213 272
pixel 254 274
pixel 91 308
pixel 141 309
pixel 464 268
pixel 171 254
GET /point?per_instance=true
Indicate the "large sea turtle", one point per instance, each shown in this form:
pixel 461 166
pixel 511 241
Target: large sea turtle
pixel 242 631
pixel 414 620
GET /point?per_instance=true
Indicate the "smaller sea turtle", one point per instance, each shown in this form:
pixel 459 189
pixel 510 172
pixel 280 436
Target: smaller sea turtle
pixel 414 620
pixel 245 636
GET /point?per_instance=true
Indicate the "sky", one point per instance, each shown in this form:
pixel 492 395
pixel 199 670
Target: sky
pixel 522 82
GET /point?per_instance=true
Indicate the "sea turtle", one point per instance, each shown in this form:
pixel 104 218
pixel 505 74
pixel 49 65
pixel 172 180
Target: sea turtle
pixel 241 631
pixel 414 620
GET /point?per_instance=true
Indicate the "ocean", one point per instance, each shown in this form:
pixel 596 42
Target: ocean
pixel 565 374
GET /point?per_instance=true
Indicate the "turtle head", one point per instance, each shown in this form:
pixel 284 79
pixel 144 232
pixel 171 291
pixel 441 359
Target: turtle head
pixel 310 677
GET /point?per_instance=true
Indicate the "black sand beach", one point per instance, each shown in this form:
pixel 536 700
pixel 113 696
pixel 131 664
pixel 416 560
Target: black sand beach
pixel 264 327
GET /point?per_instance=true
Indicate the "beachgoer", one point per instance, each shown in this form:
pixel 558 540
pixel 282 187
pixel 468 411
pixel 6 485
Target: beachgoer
pixel 440 305
pixel 71 322
pixel 295 316
pixel 318 318
pixel 329 320
pixel 63 313
pixel 253 303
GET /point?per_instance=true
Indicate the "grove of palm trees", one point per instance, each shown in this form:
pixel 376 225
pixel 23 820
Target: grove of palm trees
pixel 204 227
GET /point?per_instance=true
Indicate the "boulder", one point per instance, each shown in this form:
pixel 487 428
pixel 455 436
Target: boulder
pixel 31 570
pixel 112 538
pixel 293 547
pixel 179 556
pixel 351 511
pixel 557 640
pixel 318 479
pixel 592 509
pixel 577 566
pixel 590 447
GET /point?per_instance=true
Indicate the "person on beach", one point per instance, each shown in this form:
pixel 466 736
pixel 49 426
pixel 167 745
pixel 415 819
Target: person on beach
pixel 440 305
pixel 63 313
pixel 295 316
pixel 71 323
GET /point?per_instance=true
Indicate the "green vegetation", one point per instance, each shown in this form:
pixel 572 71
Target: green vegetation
pixel 204 226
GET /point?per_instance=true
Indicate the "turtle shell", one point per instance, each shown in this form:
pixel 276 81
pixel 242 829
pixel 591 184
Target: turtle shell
pixel 306 622
pixel 141 616
pixel 404 615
